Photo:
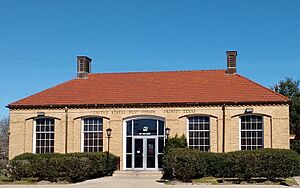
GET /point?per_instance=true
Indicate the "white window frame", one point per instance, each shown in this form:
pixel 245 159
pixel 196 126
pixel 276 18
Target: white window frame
pixel 188 131
pixel 82 134
pixel 137 136
pixel 240 131
pixel 34 133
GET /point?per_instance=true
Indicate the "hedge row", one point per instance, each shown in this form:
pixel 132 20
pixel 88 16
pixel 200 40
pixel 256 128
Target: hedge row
pixel 73 167
pixel 185 164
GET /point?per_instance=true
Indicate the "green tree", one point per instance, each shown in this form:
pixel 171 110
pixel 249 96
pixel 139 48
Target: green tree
pixel 290 88
pixel 4 134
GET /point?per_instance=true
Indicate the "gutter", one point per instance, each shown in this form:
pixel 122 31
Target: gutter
pixel 66 131
pixel 223 137
pixel 123 105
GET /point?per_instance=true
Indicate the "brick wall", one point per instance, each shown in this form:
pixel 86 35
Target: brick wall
pixel 22 121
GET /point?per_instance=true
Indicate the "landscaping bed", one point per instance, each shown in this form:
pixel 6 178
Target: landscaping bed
pixel 61 168
pixel 186 164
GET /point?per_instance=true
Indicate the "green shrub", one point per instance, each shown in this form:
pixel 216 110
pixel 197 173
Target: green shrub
pixel 3 164
pixel 268 163
pixel 185 164
pixel 215 164
pixel 295 145
pixel 176 142
pixel 73 167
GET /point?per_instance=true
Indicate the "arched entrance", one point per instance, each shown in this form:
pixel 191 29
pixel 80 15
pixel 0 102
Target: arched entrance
pixel 144 139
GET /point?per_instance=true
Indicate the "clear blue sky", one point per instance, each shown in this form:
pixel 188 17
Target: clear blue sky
pixel 40 39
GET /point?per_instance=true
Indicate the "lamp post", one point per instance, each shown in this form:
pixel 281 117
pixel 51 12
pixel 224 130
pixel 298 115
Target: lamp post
pixel 167 132
pixel 108 133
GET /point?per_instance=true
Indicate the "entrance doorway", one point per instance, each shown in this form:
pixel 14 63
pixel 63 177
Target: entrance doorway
pixel 145 139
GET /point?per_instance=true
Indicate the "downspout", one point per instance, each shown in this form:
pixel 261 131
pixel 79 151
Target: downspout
pixel 223 138
pixel 271 132
pixel 66 131
pixel 217 135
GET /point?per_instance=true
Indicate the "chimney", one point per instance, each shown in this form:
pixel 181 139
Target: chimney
pixel 231 62
pixel 83 67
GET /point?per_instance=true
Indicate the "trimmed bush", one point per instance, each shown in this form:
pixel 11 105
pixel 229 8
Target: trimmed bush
pixel 72 167
pixel 3 164
pixel 268 163
pixel 185 164
pixel 215 164
pixel 176 142
pixel 295 145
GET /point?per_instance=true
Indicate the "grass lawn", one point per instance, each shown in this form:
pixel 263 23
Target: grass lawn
pixel 5 180
pixel 258 181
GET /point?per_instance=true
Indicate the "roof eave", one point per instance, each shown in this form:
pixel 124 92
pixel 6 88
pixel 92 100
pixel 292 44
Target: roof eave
pixel 171 104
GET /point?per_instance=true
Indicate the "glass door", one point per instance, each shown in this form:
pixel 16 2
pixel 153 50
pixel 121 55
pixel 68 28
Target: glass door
pixel 138 153
pixel 144 143
pixel 151 152
pixel 145 154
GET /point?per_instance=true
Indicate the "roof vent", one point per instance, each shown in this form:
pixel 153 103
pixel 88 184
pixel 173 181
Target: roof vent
pixel 83 67
pixel 231 62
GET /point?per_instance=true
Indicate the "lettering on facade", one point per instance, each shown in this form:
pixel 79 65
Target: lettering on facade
pixel 188 111
pixel 132 112
pixel 100 112
pixel 118 112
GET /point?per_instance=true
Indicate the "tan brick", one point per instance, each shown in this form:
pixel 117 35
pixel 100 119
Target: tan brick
pixel 21 130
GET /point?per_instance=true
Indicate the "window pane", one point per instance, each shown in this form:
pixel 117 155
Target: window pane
pixel 129 128
pixel 199 133
pixel 93 134
pixel 129 145
pixel 128 161
pixel 44 135
pixel 251 135
pixel 161 127
pixel 145 127
pixel 161 141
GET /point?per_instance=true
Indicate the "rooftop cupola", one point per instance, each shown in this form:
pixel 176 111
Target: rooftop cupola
pixel 231 62
pixel 83 67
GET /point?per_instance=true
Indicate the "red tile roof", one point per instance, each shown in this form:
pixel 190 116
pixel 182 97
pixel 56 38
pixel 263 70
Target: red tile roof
pixel 209 86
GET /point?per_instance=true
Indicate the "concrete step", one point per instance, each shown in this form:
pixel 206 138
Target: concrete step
pixel 138 174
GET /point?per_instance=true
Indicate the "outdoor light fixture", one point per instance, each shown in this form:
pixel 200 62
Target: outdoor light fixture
pixel 249 110
pixel 167 132
pixel 40 114
pixel 108 132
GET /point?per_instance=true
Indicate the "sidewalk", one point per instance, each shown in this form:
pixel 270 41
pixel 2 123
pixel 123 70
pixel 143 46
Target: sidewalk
pixel 111 182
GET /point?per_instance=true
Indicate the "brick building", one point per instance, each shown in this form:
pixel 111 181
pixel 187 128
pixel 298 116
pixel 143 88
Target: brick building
pixel 217 110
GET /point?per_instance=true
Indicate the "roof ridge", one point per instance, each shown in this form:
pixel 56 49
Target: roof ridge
pixel 168 71
pixel 288 99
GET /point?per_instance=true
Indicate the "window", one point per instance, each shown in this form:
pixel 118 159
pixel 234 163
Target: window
pixel 198 133
pixel 251 132
pixel 138 130
pixel 92 135
pixel 44 135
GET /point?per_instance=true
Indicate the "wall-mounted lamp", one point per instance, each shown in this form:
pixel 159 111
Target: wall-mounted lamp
pixel 108 132
pixel 40 114
pixel 249 110
pixel 167 132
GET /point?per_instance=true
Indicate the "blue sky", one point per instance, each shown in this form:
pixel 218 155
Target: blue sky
pixel 40 39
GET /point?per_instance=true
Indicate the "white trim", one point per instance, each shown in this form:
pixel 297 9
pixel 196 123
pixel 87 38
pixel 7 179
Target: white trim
pixel 82 136
pixel 144 142
pixel 34 137
pixel 240 138
pixel 82 133
pixel 34 133
pixel 187 132
pixel 262 129
pixel 209 129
